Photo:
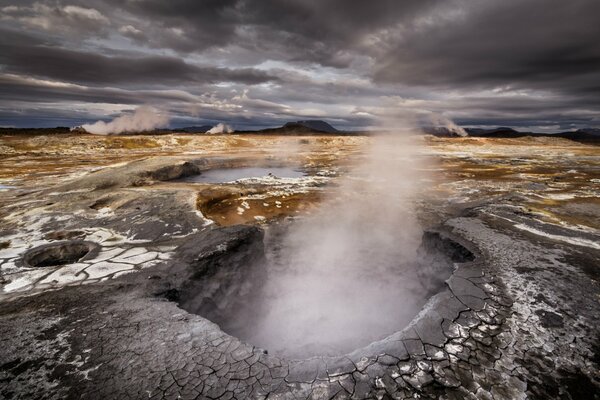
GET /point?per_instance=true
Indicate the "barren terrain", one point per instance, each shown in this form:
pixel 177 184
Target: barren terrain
pixel 106 315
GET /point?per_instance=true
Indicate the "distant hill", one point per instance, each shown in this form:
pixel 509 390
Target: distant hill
pixel 35 131
pixel 500 132
pixel 590 131
pixel 302 128
pixel 580 135
pixel 315 125
pixel 193 129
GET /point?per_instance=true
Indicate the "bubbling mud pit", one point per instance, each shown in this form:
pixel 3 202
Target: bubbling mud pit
pixel 306 309
pixel 355 272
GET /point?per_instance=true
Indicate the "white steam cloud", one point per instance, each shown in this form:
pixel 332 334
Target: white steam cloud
pixel 347 276
pixel 145 118
pixel 220 128
pixel 440 120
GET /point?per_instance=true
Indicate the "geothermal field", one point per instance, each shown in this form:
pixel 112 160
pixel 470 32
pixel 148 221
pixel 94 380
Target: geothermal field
pixel 397 265
pixel 299 200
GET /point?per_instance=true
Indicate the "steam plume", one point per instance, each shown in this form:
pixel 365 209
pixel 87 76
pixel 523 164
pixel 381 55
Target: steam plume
pixel 440 120
pixel 347 275
pixel 145 118
pixel 220 128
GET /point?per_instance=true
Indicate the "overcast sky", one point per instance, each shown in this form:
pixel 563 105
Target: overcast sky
pixel 529 64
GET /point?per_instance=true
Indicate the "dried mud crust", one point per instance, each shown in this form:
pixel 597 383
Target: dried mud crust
pixel 480 338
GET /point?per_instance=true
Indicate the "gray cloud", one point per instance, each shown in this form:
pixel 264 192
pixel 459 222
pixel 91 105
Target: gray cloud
pixel 528 44
pixel 184 25
pixel 258 62
pixel 24 54
pixel 57 18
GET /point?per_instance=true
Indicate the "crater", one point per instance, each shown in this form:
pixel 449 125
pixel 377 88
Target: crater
pixel 59 254
pixel 253 292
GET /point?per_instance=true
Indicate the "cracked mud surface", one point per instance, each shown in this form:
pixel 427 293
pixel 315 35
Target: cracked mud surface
pixel 522 320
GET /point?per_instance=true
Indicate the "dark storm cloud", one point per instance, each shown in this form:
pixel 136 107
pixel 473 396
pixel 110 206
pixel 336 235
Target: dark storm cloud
pixel 531 44
pixel 308 30
pixel 524 62
pixel 24 54
pixel 54 17
pixel 323 32
pixel 24 89
pixel 184 25
pixel 527 113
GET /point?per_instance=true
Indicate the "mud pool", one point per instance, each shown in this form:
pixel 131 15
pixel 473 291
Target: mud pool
pixel 303 310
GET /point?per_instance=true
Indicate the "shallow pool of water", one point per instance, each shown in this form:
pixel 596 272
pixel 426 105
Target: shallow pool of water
pixel 223 175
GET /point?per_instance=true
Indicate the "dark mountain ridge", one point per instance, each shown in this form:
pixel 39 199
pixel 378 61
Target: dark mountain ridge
pixel 193 129
pixel 319 127
pixel 587 134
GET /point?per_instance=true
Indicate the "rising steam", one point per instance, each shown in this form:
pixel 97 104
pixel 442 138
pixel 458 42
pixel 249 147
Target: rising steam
pixel 440 120
pixel 220 128
pixel 145 118
pixel 347 276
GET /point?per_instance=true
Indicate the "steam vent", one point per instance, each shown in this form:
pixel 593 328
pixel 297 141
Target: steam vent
pixel 354 275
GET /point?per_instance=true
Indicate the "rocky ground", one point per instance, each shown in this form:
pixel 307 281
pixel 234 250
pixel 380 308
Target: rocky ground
pixel 518 318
